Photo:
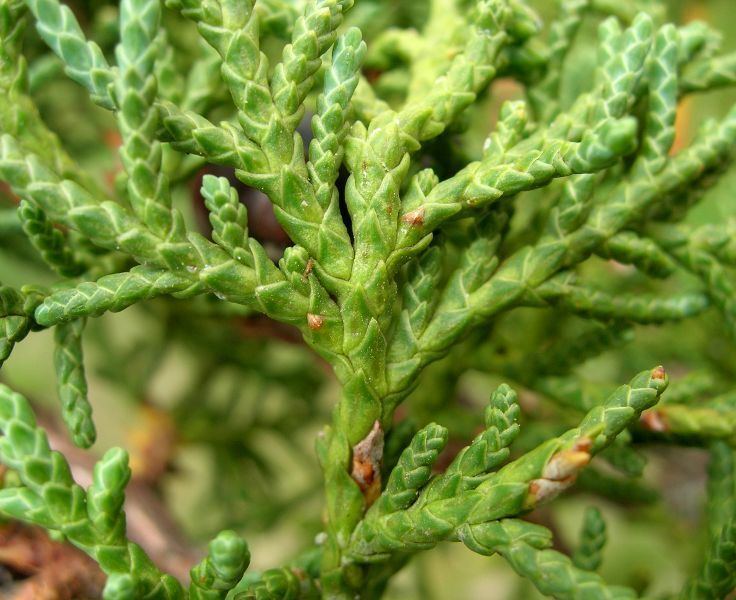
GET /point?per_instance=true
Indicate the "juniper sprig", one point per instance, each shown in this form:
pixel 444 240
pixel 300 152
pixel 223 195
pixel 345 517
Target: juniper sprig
pixel 413 239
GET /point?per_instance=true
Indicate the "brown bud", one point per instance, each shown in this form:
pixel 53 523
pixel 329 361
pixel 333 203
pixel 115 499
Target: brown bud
pixel 415 218
pixel 659 373
pixel 560 472
pixel 315 322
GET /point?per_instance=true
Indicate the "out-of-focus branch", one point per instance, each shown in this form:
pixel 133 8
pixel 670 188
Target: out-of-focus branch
pixel 149 521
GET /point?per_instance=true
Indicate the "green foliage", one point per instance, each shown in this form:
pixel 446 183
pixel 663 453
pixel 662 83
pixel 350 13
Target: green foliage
pixel 225 564
pixel 92 520
pixel 69 362
pixel 592 539
pixel 423 234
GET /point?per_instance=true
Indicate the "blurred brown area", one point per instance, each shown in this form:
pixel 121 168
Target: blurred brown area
pixel 34 567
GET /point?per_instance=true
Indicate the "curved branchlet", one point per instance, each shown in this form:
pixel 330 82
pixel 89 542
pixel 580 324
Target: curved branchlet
pixel 330 123
pixel 228 217
pixel 526 548
pixel 645 254
pixel 313 34
pixel 544 94
pixel 72 383
pixel 487 452
pixel 221 570
pixel 83 60
pixel 135 90
pixel 592 539
pixel 716 577
pixel 268 112
pixel 51 243
pixel 553 573
pixel 562 291
pixel 277 583
pixel 412 471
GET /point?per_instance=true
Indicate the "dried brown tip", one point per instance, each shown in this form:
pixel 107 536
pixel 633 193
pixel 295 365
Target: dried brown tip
pixel 659 373
pixel 315 322
pixel 415 218
pixel 309 267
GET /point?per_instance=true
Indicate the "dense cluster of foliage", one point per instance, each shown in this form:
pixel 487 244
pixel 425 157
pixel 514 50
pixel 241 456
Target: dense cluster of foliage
pixel 422 229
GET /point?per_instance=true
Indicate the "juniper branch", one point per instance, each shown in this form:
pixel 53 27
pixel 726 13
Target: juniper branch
pixel 49 496
pixel 72 383
pixel 83 60
pixel 592 539
pixel 408 237
pixel 519 486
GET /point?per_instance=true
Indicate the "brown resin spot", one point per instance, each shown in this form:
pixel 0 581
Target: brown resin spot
pixel 315 322
pixel 415 218
pixel 309 267
pixel 367 455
